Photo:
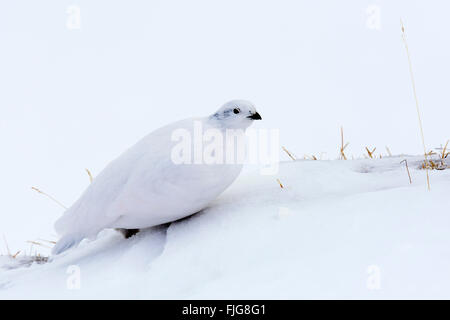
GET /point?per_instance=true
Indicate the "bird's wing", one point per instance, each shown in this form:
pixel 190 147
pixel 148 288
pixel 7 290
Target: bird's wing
pixel 152 177
pixel 92 211
pixel 88 214
pixel 160 190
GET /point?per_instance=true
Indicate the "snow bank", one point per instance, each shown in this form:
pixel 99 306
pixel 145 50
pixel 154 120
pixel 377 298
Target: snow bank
pixel 338 229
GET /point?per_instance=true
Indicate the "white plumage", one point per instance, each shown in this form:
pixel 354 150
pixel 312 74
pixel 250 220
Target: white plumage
pixel 144 187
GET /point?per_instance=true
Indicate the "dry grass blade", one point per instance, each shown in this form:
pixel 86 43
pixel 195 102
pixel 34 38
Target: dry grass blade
pixel 288 153
pixel 38 244
pixel 417 101
pixel 370 153
pixel 434 165
pixel 48 241
pixel 281 185
pixel 9 251
pixel 312 157
pixel 388 151
pixel 49 196
pixel 6 245
pixel 89 174
pixel 343 146
pixel 407 169
pixel 444 153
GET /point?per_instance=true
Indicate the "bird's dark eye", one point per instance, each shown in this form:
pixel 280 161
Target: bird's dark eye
pixel 236 111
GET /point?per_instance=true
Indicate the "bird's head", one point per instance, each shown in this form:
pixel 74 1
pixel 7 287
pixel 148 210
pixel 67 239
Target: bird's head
pixel 236 114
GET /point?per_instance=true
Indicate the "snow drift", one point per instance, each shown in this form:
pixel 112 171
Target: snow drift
pixel 337 229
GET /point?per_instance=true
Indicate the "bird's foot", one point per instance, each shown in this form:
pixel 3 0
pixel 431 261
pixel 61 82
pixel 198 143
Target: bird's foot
pixel 128 233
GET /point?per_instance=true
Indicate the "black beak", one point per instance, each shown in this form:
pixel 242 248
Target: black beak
pixel 255 116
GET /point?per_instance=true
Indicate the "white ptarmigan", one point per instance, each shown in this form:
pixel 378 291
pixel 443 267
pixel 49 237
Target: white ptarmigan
pixel 147 186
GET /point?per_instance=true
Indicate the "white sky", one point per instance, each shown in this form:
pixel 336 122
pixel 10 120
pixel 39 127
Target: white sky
pixel 75 99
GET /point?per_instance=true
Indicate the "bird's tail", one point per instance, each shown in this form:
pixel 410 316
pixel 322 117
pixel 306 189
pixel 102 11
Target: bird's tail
pixel 67 242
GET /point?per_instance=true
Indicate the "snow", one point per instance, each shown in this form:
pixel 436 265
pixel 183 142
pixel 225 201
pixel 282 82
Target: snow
pixel 338 229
